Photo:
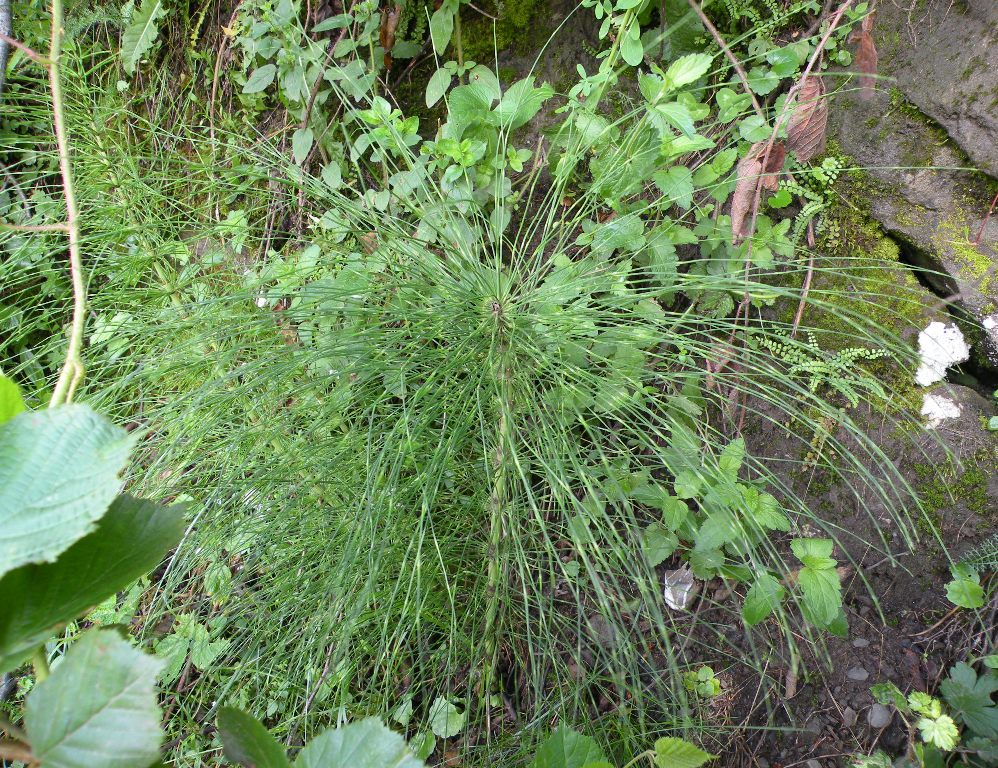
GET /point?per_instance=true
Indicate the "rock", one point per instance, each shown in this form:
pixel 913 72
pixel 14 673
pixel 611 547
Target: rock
pixel 849 717
pixel 908 136
pixel 812 730
pixel 958 44
pixel 879 716
pixel 813 763
pixel 857 674
pixel 860 642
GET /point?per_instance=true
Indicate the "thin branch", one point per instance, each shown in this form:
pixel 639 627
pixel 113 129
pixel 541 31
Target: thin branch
pixel 29 52
pixel 980 233
pixel 731 57
pixel 72 369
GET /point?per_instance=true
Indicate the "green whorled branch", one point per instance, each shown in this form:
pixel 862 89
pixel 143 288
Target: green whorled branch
pixel 72 368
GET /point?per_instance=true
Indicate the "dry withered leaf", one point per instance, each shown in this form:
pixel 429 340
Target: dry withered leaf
pixel 389 23
pixel 750 169
pixel 808 124
pixel 866 55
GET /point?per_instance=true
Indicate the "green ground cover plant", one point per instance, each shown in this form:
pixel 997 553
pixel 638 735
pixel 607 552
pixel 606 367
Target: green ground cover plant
pixel 445 402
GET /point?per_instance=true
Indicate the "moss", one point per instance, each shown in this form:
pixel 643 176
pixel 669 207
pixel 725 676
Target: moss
pixel 520 28
pixel 941 488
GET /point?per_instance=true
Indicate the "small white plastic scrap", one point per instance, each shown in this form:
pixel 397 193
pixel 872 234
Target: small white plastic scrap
pixel 938 408
pixel 940 345
pixel 679 588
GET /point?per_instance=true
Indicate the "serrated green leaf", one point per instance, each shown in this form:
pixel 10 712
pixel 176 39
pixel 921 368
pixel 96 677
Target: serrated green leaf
pixel 364 744
pixel 658 543
pixel 822 595
pixel 939 731
pixel 566 748
pixel 679 753
pixel 11 403
pixel 676 185
pixel 246 742
pixel 687 484
pixel 677 115
pixel 812 548
pixel 130 541
pixel 260 79
pixel 445 718
pixel 140 35
pixel 970 698
pixel 732 457
pixel 58 474
pixel 753 128
pixel 764 597
pixel 98 707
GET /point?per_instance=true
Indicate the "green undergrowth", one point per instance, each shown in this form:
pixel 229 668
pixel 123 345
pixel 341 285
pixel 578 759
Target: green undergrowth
pixel 445 413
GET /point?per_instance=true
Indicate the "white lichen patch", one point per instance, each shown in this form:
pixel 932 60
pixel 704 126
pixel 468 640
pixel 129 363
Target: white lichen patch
pixel 937 408
pixel 940 346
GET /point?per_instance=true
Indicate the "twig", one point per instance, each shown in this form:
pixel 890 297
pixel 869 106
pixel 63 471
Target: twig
pixel 29 52
pixel 980 233
pixel 805 290
pixel 727 52
pixel 72 369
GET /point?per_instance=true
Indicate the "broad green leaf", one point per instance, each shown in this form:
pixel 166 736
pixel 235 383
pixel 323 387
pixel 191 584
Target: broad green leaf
pixel 437 87
pixel 58 473
pixel 631 49
pixel 442 27
pixel 965 593
pixel 301 144
pixel 762 80
pixel 141 33
pixel 247 742
pixel 446 720
pixel 658 543
pixel 484 78
pixel 261 79
pixel 679 753
pixel 676 185
pixel 364 744
pixel 521 102
pixel 130 540
pixel 11 403
pixel 97 708
pixel 753 128
pixel 764 597
pixel 565 748
pixel 687 69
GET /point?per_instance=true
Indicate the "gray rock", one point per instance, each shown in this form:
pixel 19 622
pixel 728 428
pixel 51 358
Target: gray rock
pixel 879 716
pixel 958 44
pixel 849 717
pixel 909 134
pixel 857 674
pixel 813 763
pixel 860 642
pixel 812 730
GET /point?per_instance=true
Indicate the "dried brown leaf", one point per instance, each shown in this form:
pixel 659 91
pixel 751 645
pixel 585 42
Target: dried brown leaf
pixel 389 23
pixel 773 165
pixel 749 169
pixel 808 124
pixel 866 56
